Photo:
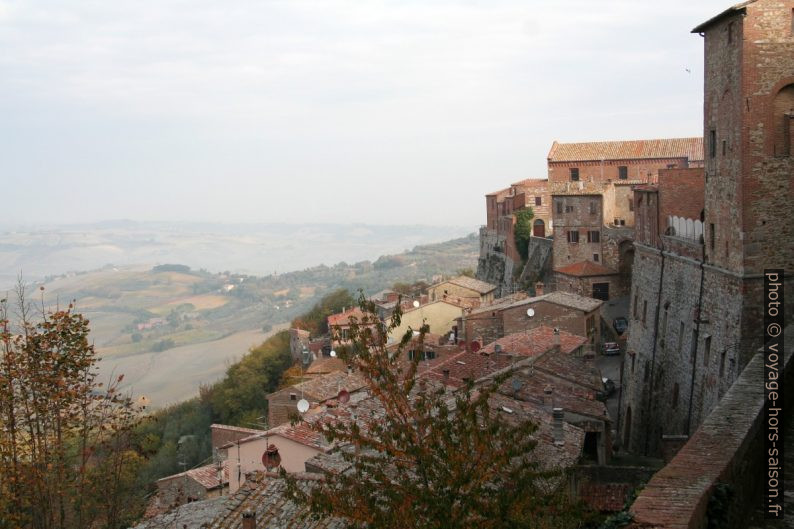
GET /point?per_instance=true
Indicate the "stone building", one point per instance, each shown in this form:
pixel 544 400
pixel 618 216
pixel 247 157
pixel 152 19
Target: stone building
pixel 696 302
pixel 568 312
pixel 500 261
pixel 462 290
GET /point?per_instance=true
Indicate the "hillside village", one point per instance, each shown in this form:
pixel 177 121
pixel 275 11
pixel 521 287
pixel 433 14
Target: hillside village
pixel 630 323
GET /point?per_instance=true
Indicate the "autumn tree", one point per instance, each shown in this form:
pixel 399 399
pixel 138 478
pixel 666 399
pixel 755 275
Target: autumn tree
pixel 66 454
pixel 423 456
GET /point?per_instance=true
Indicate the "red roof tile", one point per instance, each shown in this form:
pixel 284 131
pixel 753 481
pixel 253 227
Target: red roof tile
pixel 535 342
pixel 690 148
pixel 605 497
pixel 343 318
pixel 585 269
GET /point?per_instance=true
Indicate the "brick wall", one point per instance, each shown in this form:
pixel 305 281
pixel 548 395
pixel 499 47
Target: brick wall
pixel 597 171
pixel 681 193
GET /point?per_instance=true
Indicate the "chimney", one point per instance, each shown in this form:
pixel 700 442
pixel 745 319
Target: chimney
pixel 556 340
pixel 446 375
pixel 249 519
pixel 557 415
pixel 539 288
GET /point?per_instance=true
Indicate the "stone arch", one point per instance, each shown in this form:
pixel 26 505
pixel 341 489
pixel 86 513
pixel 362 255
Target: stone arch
pixel 783 121
pixel 539 228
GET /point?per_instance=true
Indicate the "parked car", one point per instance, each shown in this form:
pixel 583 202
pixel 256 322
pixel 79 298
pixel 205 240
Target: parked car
pixel 610 348
pixel 620 325
pixel 609 389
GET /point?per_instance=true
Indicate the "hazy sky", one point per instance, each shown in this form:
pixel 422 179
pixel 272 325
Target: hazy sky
pixel 390 112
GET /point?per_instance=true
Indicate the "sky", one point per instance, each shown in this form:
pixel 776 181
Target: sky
pixel 371 111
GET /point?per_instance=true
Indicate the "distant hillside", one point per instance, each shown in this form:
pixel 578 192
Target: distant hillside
pixel 170 328
pixel 258 249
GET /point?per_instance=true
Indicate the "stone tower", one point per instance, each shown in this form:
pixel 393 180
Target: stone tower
pixel 696 309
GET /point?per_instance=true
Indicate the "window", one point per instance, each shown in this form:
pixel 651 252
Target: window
pixel 635 306
pixel 647 375
pixel 538 201
pixel 664 324
pixel 574 174
pixel 293 396
pixel 713 143
pixel 722 362
pixel 623 172
pixel 631 204
pixel 573 236
pixel 559 206
pixel 568 209
pixel 593 236
pixel 675 395
pixel 706 350
pixel 724 147
pixel 593 207
pixel 590 325
pixel 730 32
pixel 693 348
pixel 644 311
pixel 595 257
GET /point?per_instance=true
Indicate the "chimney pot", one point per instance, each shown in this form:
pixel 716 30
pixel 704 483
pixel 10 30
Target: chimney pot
pixel 539 288
pixel 249 519
pixel 557 431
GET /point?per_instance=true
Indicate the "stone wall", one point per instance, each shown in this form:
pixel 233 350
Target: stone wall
pixel 494 266
pixel 728 449
pixel 581 214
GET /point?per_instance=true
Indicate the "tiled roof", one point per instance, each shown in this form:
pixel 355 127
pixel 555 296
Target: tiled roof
pixel 534 342
pixel 571 368
pixel 343 318
pixel 206 476
pixel 690 148
pixel 585 269
pixel 327 386
pixel 193 515
pixel 728 12
pixel 533 183
pixel 605 497
pixel 472 284
pixel 551 391
pixel 303 433
pixel 558 297
pixel 239 429
pixel 266 496
pixel 501 193
pixel 326 365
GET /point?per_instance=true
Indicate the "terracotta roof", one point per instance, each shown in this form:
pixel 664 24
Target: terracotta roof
pixel 585 269
pixel 473 284
pixel 545 389
pixel 570 368
pixel 734 10
pixel 303 433
pixel 206 476
pixel 532 182
pixel 266 496
pixel 605 497
pixel 326 365
pixel 501 193
pixel 343 318
pixel 534 342
pixel 690 148
pixel 234 428
pixel 193 515
pixel 558 297
pixel 327 386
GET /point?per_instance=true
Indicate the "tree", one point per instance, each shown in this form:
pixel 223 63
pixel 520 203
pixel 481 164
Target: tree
pixel 523 230
pixel 66 453
pixel 426 457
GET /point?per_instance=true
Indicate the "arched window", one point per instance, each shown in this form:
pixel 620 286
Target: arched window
pixel 783 121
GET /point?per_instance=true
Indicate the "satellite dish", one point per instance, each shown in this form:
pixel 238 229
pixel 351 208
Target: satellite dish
pixel 416 304
pixel 530 312
pixel 271 458
pixel 343 396
pixel 475 346
pixel 303 405
pixel 516 384
pixel 332 353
